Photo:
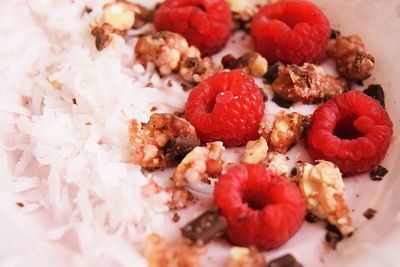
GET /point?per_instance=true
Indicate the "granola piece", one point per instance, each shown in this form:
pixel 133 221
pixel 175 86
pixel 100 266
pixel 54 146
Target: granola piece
pixel 278 162
pixel 159 253
pixel 242 13
pixel 162 142
pixel 180 198
pixel 284 130
pixel 308 84
pixel 245 257
pixel 256 151
pixel 352 61
pixel 103 34
pixel 195 69
pixel 252 63
pixel 199 164
pixel 165 50
pixel 323 188
pixel 121 14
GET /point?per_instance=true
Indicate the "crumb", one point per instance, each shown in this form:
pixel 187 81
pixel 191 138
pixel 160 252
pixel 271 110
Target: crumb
pixel 20 204
pixel 169 83
pixel 74 101
pixel 153 108
pixel 378 173
pixel 369 213
pixel 176 217
pixel 87 10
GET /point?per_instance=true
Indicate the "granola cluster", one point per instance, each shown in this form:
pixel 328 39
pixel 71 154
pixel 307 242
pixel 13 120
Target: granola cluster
pixel 199 164
pixel 245 257
pixel 160 253
pixel 352 61
pixel 252 63
pixel 323 188
pixel 162 142
pixel 308 84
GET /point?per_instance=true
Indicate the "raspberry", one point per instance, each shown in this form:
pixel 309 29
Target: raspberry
pixel 262 208
pixel 351 130
pixel 206 24
pixel 226 107
pixel 292 31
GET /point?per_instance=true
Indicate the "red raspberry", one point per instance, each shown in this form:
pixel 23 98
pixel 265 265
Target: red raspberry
pixel 292 31
pixel 351 130
pixel 262 208
pixel 206 24
pixel 227 107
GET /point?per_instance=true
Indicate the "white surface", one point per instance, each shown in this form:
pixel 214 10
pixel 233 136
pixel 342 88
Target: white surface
pixel 375 243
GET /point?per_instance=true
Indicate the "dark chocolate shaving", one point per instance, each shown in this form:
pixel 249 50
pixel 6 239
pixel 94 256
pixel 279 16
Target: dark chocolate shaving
pixel 334 34
pixel 378 173
pixel 333 236
pixel 206 227
pixel 376 92
pixel 311 218
pixel 285 261
pixel 272 73
pixel 283 103
pixel 229 62
pixel 369 213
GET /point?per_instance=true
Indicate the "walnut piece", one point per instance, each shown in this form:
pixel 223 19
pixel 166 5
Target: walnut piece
pixel 323 188
pixel 165 50
pixel 308 84
pixel 256 151
pixel 199 164
pixel 352 62
pixel 245 257
pixel 195 69
pixel 284 130
pixel 159 253
pixel 162 142
pixel 252 63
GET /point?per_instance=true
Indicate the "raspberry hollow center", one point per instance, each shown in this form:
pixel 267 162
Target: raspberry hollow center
pixel 255 200
pixel 345 129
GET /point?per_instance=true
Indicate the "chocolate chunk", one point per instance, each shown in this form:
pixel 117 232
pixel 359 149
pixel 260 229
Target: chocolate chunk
pixel 74 101
pixel 272 73
pixel 204 228
pixel 229 62
pixel 334 34
pixel 311 218
pixel 176 149
pixel 376 92
pixel 369 213
pixel 283 103
pixel 378 173
pixel 333 236
pixel 285 261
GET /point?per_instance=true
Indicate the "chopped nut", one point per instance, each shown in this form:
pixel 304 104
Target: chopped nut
pixel 323 188
pixel 103 34
pixel 278 162
pixel 245 257
pixel 165 50
pixel 283 131
pixel 252 63
pixel 120 14
pixel 162 142
pixel 180 198
pixel 159 253
pixel 256 151
pixel 195 69
pixel 199 164
pixel 307 84
pixel 352 62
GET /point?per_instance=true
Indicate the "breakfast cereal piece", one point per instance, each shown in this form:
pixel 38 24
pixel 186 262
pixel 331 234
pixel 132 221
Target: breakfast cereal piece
pixel 162 142
pixel 245 257
pixel 323 188
pixel 165 50
pixel 195 69
pixel 278 162
pixel 199 164
pixel 103 34
pixel 284 130
pixel 256 151
pixel 308 84
pixel 352 62
pixel 159 253
pixel 252 63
